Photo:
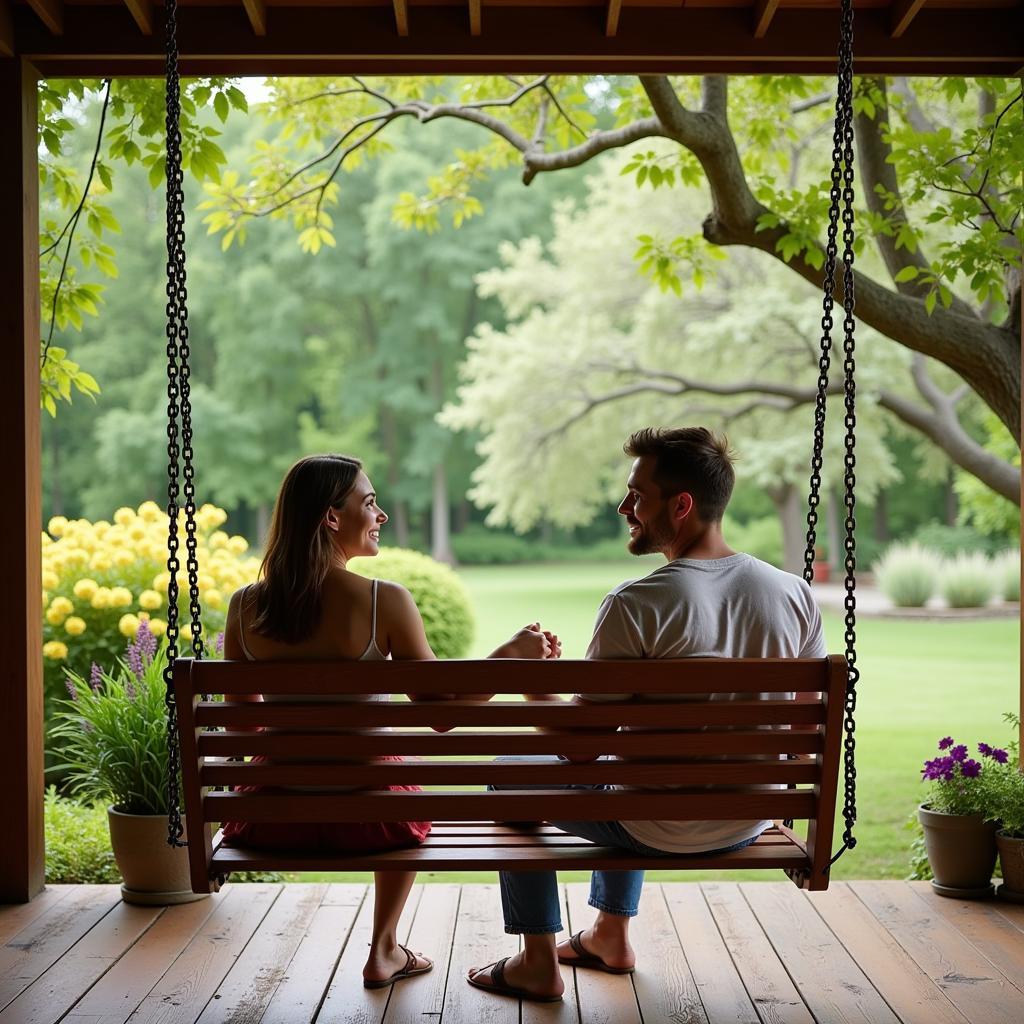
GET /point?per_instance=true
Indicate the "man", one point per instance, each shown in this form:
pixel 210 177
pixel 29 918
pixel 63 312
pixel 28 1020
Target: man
pixel 708 601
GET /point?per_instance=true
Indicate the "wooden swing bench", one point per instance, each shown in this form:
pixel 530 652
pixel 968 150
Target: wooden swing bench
pixel 701 745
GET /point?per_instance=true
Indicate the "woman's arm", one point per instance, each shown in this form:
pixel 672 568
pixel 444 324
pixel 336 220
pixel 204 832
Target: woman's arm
pixel 233 649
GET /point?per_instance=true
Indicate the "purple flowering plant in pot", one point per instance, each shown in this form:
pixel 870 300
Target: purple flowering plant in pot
pixel 113 732
pixel 1004 805
pixel 960 843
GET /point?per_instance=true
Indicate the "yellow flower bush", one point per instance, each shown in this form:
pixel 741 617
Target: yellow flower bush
pixel 102 578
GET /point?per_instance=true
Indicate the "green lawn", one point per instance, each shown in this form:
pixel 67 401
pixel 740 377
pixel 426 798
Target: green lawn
pixel 919 681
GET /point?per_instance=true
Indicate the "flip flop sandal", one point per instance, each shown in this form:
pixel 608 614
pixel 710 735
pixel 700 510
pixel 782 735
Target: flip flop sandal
pixel 500 987
pixel 584 958
pixel 408 971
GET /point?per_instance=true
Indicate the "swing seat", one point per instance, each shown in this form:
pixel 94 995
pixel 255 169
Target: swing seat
pixel 728 753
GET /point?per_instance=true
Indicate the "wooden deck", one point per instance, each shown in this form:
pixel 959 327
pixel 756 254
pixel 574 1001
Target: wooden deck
pixel 875 952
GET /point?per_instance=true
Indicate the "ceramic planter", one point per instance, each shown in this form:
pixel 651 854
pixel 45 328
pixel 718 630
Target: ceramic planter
pixel 961 851
pixel 1011 860
pixel 154 873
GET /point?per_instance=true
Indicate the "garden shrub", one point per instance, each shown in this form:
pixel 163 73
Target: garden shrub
pixel 1007 572
pixel 438 592
pixel 77 842
pixel 100 579
pixel 907 574
pixel 967 581
pixel 955 540
pixel 761 538
pixel 476 545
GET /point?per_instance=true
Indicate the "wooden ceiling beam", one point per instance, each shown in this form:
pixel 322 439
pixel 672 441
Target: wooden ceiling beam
pixel 50 13
pixel 764 11
pixel 6 30
pixel 142 12
pixel 476 17
pixel 611 24
pixel 401 16
pixel 903 13
pixel 257 11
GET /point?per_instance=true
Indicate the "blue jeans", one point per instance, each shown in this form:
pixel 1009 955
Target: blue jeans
pixel 529 899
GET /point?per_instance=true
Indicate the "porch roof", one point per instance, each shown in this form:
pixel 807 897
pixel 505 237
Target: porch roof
pixel 124 37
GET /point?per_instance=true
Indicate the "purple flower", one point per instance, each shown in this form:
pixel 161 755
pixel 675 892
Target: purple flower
pixel 984 748
pixel 135 662
pixel 87 726
pixel 96 677
pixel 999 755
pixel 939 768
pixel 959 752
pixel 129 690
pixel 219 642
pixel 145 641
pixel 970 768
pixel 72 692
pixel 945 744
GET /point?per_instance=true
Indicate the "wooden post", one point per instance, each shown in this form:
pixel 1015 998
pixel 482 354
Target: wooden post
pixel 22 861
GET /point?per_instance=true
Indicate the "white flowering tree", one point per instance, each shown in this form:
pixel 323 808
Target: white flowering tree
pixel 594 350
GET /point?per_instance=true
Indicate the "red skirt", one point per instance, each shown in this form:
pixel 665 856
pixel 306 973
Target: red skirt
pixel 337 837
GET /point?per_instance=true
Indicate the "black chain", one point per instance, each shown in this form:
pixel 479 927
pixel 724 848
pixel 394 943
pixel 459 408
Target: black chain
pixel 179 419
pixel 840 208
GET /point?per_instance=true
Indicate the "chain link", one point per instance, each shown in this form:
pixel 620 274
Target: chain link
pixel 841 196
pixel 179 425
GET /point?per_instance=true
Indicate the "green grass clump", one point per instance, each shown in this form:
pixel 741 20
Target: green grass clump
pixel 1007 571
pixel 967 581
pixel 907 574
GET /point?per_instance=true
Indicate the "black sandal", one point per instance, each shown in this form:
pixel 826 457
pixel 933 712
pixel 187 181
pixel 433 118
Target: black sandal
pixel 408 971
pixel 501 987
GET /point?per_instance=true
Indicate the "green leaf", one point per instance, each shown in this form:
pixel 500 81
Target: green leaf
pixel 221 106
pixel 906 274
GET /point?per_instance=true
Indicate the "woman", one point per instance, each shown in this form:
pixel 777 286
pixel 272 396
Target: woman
pixel 308 604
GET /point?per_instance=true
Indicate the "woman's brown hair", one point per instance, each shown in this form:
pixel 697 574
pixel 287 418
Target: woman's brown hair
pixel 300 551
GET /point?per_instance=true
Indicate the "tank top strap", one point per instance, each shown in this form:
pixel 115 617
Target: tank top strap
pixel 373 614
pixel 241 624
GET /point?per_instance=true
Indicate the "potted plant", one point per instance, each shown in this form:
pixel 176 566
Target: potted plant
pixel 1004 792
pixel 114 735
pixel 960 843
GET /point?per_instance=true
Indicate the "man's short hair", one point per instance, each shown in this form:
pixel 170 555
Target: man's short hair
pixel 689 459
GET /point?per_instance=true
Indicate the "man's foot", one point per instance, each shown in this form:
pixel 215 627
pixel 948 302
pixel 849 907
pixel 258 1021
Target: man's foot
pixel 384 968
pixel 610 953
pixel 514 977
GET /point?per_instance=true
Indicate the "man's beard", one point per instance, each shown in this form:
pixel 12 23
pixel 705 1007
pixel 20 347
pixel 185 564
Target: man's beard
pixel 654 537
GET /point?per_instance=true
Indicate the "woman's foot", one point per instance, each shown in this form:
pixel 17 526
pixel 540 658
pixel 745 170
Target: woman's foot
pixel 611 948
pixel 386 966
pixel 537 978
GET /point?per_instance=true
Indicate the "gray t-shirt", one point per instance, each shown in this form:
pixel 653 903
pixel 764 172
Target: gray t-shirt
pixel 735 607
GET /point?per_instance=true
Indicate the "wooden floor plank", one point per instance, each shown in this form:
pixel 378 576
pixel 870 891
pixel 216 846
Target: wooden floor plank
pixel 35 948
pixel 432 933
pixel 304 986
pixel 249 986
pixel 982 924
pixel 181 995
pixel 567 1011
pixel 722 993
pixel 830 982
pixel 15 916
pixel 480 939
pixel 48 998
pixel 968 979
pixel 603 998
pixel 114 998
pixel 769 986
pixel 347 1002
pixel 665 987
pixel 905 987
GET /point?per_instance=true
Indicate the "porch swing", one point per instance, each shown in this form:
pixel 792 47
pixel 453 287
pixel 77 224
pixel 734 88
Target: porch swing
pixel 799 740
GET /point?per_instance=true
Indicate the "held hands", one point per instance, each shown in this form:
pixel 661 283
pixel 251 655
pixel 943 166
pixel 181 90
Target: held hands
pixel 533 642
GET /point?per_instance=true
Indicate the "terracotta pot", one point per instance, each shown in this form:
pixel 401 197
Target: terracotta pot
pixel 1011 860
pixel 961 851
pixel 154 873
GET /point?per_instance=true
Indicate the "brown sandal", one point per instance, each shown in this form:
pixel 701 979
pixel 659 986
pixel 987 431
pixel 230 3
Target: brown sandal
pixel 408 971
pixel 501 987
pixel 584 958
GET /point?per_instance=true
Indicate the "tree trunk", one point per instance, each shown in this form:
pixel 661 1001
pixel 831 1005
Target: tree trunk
pixel 788 501
pixel 880 526
pixel 399 514
pixel 463 512
pixel 952 502
pixel 835 545
pixel 262 523
pixel 440 518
